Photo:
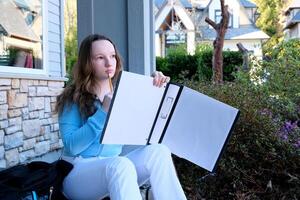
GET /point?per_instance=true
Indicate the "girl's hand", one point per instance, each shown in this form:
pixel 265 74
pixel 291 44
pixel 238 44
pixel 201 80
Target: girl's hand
pixel 159 78
pixel 106 101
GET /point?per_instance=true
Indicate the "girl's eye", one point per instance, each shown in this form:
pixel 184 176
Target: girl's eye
pixel 113 56
pixel 100 57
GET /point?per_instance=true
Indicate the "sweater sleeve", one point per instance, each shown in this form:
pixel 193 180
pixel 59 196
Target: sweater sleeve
pixel 77 135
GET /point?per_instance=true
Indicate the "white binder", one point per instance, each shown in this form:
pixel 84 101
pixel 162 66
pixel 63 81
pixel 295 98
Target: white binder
pixel 193 125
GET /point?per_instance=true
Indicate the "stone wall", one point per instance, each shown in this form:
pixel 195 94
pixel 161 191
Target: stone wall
pixel 28 125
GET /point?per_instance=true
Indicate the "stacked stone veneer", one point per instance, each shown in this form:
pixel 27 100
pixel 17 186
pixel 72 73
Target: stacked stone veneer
pixel 28 125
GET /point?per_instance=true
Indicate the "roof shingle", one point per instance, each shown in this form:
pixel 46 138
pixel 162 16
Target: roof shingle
pixel 235 33
pixel 247 4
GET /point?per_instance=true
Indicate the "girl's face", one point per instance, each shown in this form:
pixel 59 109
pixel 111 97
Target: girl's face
pixel 103 59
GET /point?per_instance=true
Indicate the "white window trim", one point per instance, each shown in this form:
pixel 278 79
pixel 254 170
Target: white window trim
pixel 62 40
pixel 45 70
pixel 230 20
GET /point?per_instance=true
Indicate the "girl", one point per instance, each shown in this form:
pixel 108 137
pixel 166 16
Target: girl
pixel 98 170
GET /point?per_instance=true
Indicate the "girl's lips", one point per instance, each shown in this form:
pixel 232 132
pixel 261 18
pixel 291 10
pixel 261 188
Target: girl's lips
pixel 109 71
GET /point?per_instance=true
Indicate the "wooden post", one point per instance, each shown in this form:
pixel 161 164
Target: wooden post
pixel 245 53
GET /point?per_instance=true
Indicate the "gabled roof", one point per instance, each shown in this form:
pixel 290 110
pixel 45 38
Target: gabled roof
pixel 22 4
pixel 155 9
pixel 293 5
pixel 16 25
pixel 186 3
pixel 294 20
pixel 165 10
pixel 201 4
pixel 249 32
pixel 247 4
pixel 160 3
pixel 243 3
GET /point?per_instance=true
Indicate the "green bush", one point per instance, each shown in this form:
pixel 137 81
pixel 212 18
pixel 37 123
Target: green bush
pixel 177 50
pixel 232 60
pixel 182 65
pixel 205 64
pixel 262 158
pixel 162 65
pixel 179 65
pixel 282 82
pixel 257 163
pixel 203 47
pixel 71 50
pixel 286 49
pixel 279 78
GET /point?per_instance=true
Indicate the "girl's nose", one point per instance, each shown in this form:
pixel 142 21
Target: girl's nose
pixel 108 62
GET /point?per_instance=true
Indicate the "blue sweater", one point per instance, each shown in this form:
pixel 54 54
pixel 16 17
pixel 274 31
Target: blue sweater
pixel 81 137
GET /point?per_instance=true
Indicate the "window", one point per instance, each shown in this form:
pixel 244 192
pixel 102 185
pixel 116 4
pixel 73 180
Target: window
pixel 218 17
pixel 21 34
pixel 177 35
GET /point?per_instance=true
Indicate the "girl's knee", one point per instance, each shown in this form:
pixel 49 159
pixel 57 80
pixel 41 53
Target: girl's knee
pixel 160 150
pixel 121 165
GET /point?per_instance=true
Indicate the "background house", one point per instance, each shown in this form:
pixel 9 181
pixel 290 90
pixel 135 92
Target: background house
pixel 242 28
pixel 173 26
pixel 31 76
pixel 292 21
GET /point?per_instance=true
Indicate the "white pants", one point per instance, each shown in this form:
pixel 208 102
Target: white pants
pixel 120 177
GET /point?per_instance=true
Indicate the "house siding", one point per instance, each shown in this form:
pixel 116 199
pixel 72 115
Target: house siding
pixel 29 127
pixel 129 26
pixel 292 23
pixel 55 33
pixel 234 8
pixel 252 45
pixel 244 16
pixel 294 32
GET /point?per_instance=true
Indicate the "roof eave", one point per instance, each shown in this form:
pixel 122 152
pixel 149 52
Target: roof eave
pixel 291 24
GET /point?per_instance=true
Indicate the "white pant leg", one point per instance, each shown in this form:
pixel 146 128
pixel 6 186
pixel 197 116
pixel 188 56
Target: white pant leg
pixel 95 178
pixel 155 161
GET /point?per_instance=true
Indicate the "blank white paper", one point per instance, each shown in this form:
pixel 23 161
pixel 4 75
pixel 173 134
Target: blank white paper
pixel 199 128
pixel 133 110
pixel 164 113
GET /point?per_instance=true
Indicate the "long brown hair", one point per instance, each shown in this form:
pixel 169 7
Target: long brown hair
pixel 80 91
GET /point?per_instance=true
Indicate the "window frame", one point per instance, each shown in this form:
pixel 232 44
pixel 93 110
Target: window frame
pixel 45 62
pixel 230 21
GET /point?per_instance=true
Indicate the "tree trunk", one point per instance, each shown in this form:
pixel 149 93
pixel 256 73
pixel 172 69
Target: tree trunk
pixel 221 28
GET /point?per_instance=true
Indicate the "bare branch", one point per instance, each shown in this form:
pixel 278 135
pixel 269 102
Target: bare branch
pixel 241 48
pixel 225 16
pixel 212 23
pixel 222 6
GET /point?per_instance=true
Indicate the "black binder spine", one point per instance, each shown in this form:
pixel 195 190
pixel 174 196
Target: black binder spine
pixel 171 113
pixel 158 111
